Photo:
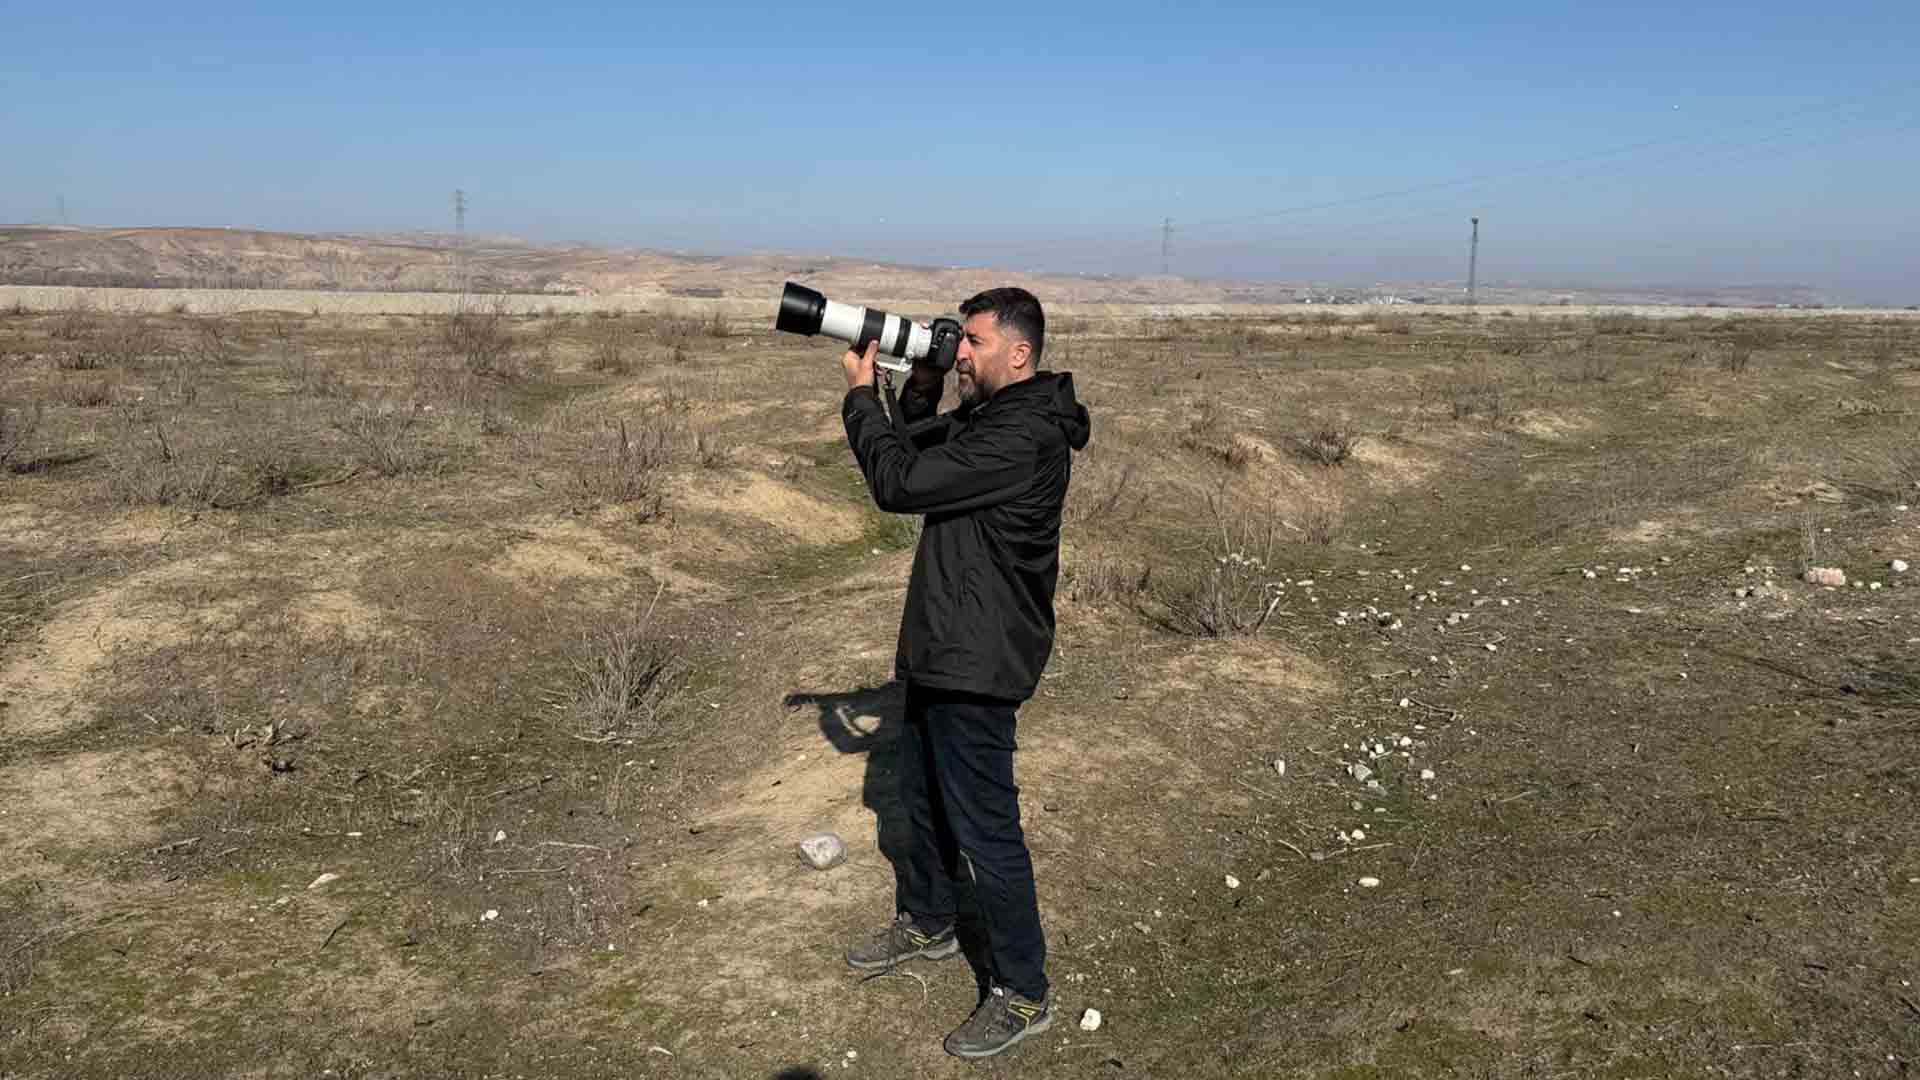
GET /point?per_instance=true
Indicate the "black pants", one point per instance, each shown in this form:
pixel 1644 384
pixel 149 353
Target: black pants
pixel 956 779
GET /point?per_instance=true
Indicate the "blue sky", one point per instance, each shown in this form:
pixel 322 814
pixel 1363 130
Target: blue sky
pixel 1602 143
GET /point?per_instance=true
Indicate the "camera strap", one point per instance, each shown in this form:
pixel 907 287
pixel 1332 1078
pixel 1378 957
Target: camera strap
pixel 893 411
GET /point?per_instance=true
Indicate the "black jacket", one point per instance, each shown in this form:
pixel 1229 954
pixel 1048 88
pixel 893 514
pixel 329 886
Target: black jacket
pixel 991 481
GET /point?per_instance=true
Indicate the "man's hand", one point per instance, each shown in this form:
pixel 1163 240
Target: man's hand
pixel 859 366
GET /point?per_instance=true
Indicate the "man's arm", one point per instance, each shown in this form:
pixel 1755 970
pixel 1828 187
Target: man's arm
pixel 984 466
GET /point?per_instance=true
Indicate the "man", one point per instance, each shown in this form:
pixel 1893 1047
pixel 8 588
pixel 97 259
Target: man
pixel 990 477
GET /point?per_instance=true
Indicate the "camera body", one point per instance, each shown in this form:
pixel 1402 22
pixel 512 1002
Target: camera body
pixel 902 342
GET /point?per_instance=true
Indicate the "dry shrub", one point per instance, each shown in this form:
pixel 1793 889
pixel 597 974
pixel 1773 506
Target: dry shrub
pixel 384 436
pixel 1101 495
pixel 625 682
pixel 1328 445
pixel 1475 392
pixel 77 323
pixel 1231 590
pixel 624 468
pixel 614 343
pixel 159 463
pixel 86 393
pixel 1737 356
pixel 1620 324
pixel 1101 579
pixel 480 336
pixel 316 378
pixel 17 425
pixel 1210 433
pixel 215 343
pixel 1396 325
pixel 1595 367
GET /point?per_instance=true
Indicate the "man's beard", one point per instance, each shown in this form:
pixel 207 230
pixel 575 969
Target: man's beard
pixel 971 392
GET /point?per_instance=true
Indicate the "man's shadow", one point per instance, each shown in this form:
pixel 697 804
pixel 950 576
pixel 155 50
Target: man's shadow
pixel 868 721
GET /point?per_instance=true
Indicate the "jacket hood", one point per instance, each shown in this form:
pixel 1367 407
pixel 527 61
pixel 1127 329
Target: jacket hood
pixel 1051 393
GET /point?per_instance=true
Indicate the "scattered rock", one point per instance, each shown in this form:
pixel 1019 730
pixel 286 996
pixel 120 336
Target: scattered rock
pixel 1280 766
pixel 1898 566
pixel 323 879
pixel 1359 772
pixel 500 836
pixel 1369 883
pixel 823 851
pixel 489 915
pixel 1090 1020
pixel 1232 882
pixel 1426 774
pixel 1826 575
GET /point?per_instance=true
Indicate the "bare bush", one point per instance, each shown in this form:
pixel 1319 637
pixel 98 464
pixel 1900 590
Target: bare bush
pixel 1736 357
pixel 1620 324
pixel 624 468
pixel 1231 590
pixel 17 425
pixel 1396 325
pixel 481 338
pixel 1105 579
pixel 1476 393
pixel 159 464
pixel 215 343
pixel 383 435
pixel 1595 367
pixel 77 323
pixel 317 378
pixel 86 393
pixel 1328 445
pixel 1210 434
pixel 625 682
pixel 1103 495
pixel 614 342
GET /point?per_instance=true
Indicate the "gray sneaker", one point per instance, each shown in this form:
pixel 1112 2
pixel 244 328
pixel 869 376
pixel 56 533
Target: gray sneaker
pixel 1002 1020
pixel 899 942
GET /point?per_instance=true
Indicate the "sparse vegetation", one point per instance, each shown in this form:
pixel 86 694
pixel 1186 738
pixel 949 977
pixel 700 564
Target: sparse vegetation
pixel 1328 445
pixel 624 467
pixel 255 626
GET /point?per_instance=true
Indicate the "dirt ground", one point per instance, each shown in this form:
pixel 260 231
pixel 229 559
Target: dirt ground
pixel 1437 694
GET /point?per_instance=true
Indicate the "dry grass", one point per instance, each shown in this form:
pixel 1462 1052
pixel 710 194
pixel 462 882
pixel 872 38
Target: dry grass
pixel 333 664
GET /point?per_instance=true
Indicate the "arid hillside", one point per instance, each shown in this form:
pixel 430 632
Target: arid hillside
pixel 187 258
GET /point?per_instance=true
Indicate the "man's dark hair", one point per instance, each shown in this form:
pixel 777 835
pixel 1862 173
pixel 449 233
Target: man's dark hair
pixel 1014 309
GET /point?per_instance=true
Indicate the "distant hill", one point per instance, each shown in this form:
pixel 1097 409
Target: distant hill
pixel 203 258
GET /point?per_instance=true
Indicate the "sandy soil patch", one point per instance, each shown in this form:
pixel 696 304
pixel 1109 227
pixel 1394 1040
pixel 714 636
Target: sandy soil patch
pixel 756 495
pixel 99 799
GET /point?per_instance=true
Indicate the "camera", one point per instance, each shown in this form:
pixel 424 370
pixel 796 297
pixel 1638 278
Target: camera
pixel 806 312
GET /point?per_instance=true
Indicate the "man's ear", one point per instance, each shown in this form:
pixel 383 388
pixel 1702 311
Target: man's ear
pixel 1021 355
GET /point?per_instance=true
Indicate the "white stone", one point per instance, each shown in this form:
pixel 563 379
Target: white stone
pixel 1232 882
pixel 1280 766
pixel 1090 1020
pixel 1825 575
pixel 823 851
pixel 1898 566
pixel 490 915
pixel 1426 774
pixel 499 836
pixel 1369 882
pixel 323 879
pixel 1359 772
